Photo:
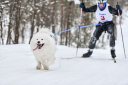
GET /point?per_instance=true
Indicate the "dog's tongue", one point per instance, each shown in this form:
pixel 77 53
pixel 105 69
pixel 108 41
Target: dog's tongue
pixel 38 47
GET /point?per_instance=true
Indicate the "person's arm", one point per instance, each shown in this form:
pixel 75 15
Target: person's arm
pixel 90 9
pixel 114 11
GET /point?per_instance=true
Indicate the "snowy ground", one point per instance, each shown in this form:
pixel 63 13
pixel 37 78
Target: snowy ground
pixel 17 67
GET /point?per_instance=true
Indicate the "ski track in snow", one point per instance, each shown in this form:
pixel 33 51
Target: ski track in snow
pixel 17 67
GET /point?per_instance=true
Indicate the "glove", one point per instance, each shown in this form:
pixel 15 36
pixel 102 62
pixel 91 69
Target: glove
pixel 118 7
pixel 82 5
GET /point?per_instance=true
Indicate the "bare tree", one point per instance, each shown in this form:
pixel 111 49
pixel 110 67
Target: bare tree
pixel 28 16
pixel 11 10
pixel 54 14
pixel 1 23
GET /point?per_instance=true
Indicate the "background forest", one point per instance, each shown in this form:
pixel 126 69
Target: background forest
pixel 20 19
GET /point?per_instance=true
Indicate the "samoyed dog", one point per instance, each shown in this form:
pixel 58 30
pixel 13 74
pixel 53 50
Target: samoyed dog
pixel 43 47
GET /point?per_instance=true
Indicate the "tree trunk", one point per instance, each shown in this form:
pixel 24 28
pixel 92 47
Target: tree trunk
pixel 17 21
pixel 33 23
pixel 9 37
pixel 61 22
pixel 1 30
pixel 32 27
pixel 54 16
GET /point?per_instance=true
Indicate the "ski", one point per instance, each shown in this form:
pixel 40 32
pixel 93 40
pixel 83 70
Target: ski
pixel 80 57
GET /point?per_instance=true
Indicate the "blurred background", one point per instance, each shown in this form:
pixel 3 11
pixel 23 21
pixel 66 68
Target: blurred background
pixel 20 19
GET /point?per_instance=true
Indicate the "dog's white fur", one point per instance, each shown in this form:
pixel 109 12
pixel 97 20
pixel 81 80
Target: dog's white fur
pixel 46 55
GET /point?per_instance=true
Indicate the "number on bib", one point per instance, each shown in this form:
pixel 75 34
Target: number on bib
pixel 102 18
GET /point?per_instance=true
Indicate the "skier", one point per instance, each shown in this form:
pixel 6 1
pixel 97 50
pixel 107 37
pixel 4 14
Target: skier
pixel 104 16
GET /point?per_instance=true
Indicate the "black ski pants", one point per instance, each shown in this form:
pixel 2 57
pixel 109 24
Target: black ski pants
pixel 107 26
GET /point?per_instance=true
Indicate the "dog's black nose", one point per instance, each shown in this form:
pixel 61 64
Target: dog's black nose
pixel 38 42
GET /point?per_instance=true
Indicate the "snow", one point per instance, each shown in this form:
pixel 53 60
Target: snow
pixel 17 67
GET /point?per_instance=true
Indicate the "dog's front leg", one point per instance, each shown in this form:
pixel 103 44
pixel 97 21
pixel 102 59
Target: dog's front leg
pixel 46 67
pixel 38 67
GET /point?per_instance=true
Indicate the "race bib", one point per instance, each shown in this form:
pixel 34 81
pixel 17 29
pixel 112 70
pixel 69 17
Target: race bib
pixel 104 15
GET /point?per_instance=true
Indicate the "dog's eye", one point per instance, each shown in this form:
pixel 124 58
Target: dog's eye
pixel 41 39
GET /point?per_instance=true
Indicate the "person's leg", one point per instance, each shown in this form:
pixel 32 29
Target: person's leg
pixel 97 33
pixel 110 30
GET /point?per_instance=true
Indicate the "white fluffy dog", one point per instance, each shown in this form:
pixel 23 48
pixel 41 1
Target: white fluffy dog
pixel 43 46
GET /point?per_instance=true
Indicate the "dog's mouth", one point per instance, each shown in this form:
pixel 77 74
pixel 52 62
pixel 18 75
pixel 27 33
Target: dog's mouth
pixel 39 46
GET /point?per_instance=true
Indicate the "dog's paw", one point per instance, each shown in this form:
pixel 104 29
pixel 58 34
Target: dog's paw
pixel 46 68
pixel 38 68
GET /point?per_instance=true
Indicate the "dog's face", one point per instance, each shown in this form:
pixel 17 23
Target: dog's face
pixel 39 40
pixel 42 39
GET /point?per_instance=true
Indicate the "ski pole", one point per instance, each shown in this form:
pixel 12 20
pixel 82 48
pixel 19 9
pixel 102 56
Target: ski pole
pixel 78 43
pixel 121 32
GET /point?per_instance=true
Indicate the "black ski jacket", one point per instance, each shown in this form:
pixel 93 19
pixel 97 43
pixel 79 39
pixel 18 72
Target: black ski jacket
pixel 94 8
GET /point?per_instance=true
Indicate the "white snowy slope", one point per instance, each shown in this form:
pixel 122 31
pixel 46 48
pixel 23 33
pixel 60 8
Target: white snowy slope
pixel 17 67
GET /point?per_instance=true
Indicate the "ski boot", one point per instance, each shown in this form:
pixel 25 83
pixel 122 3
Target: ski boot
pixel 88 54
pixel 113 55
